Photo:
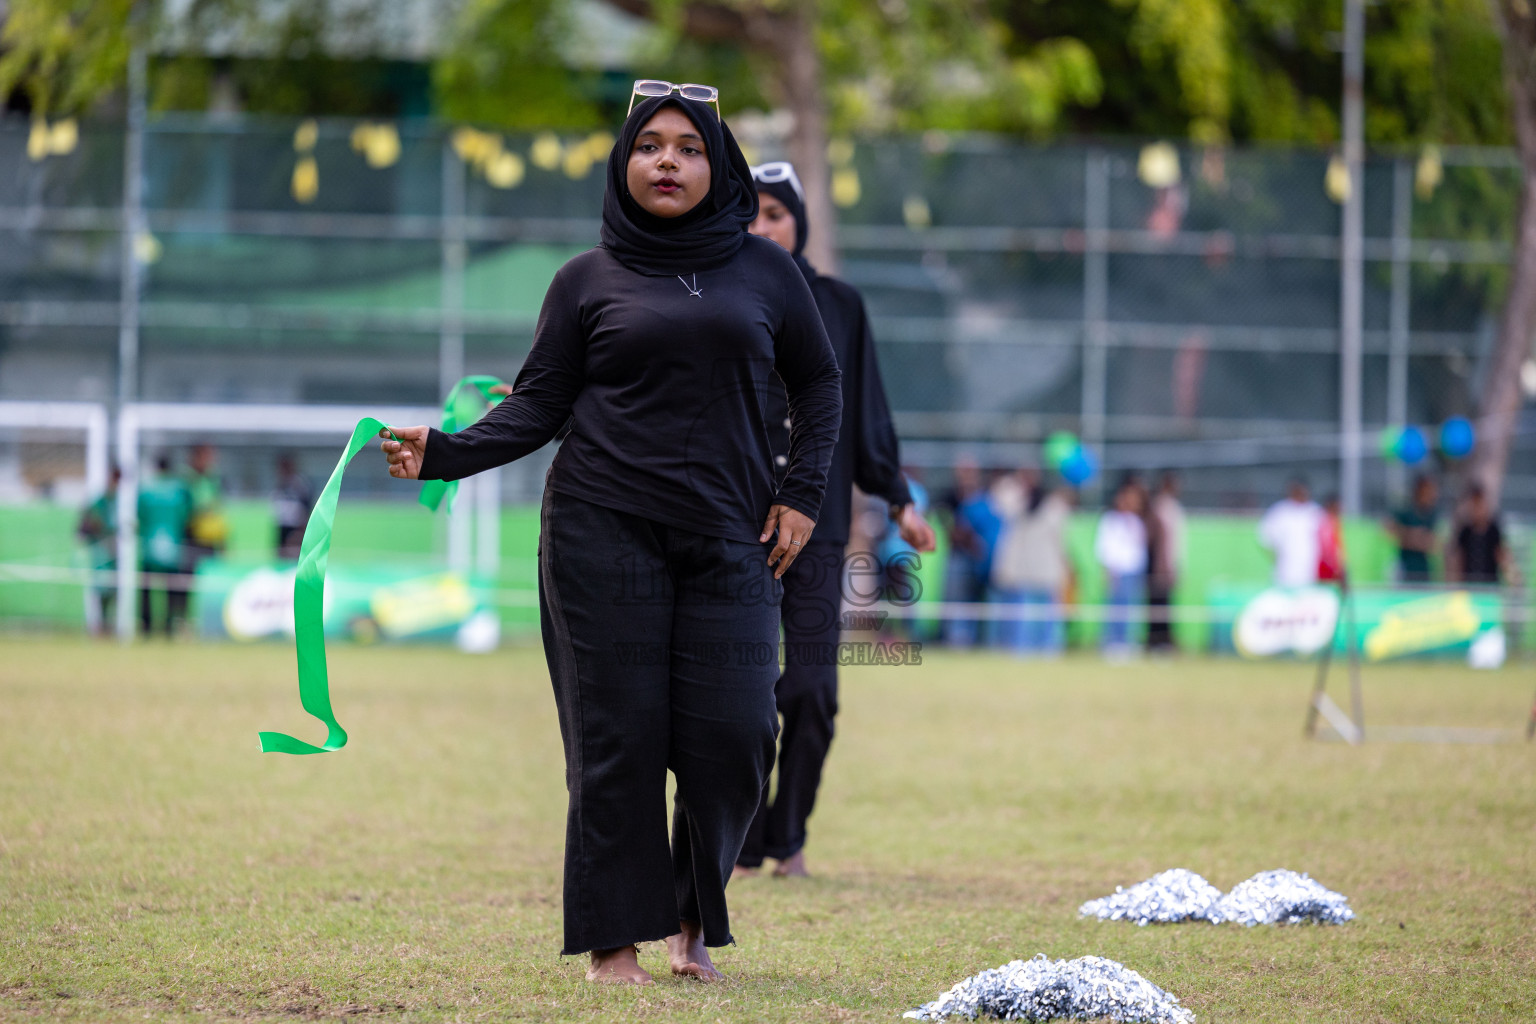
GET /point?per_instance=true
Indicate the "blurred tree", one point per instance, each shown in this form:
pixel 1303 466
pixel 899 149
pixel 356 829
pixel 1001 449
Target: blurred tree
pixel 63 55
pixel 501 63
pixel 1269 70
pixel 1501 398
pixel 873 65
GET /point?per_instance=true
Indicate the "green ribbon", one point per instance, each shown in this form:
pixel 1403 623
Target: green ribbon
pixel 460 409
pixel 315 552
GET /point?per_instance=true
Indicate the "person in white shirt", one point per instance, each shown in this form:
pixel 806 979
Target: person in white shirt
pixel 1291 529
pixel 1121 548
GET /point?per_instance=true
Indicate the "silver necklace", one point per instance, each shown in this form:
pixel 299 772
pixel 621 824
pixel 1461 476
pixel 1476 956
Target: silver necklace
pixel 693 289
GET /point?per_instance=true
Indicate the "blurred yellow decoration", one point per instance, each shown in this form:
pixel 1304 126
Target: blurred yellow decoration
pixel 914 210
pixel 1429 173
pixel 305 136
pixel 306 180
pixel 749 151
pixel 845 186
pixel 64 137
pixel 37 141
pixel 379 144
pixel 470 145
pixel 147 248
pixel 1336 181
pixel 505 170
pixel 840 152
pixel 578 161
pixel 599 145
pixel 61 139
pixel 546 151
pixel 1158 165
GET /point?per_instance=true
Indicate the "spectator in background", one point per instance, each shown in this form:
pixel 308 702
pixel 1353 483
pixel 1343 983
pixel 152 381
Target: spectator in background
pixel 1165 559
pixel 1477 552
pixel 1330 542
pixel 165 516
pixel 98 529
pixel 207 527
pixel 1290 529
pixel 974 526
pixel 1031 571
pixel 292 502
pixel 1121 548
pixel 1413 529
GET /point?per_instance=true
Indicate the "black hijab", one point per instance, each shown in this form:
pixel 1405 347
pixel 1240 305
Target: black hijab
pixel 785 193
pixel 705 237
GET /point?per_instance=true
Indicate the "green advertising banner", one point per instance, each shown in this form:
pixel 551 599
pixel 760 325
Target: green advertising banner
pixel 363 603
pixel 1389 623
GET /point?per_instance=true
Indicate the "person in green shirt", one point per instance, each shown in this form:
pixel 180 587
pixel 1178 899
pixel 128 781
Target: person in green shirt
pixel 98 529
pixel 208 529
pixel 165 511
pixel 1413 528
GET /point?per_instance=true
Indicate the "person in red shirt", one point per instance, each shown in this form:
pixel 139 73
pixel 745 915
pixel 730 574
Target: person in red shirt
pixel 1330 542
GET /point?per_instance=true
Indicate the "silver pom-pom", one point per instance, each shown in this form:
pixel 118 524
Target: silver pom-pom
pixel 1088 988
pixel 1282 897
pixel 1166 898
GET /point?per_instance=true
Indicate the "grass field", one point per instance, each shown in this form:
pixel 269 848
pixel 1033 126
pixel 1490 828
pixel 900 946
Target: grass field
pixel 154 865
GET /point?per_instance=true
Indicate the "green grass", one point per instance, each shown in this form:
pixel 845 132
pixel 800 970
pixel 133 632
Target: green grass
pixel 154 866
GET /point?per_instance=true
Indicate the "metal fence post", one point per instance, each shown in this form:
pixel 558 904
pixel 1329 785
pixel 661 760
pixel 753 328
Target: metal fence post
pixel 1095 303
pixel 1397 325
pixel 1351 282
pixel 131 290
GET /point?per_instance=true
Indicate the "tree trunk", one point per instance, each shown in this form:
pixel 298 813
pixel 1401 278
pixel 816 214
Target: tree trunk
pixel 791 37
pixel 1500 406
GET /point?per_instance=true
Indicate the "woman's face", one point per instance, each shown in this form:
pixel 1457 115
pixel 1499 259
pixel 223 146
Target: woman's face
pixel 668 172
pixel 774 221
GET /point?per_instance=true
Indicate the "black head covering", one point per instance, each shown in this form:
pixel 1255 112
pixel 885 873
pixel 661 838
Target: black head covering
pixel 703 238
pixel 785 193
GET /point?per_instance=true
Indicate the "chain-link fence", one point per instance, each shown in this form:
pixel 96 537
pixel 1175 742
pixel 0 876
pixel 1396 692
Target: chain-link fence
pixel 1174 307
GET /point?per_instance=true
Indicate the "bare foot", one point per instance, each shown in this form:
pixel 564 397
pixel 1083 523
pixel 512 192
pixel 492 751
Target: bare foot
pixel 741 871
pixel 617 967
pixel 689 957
pixel 792 866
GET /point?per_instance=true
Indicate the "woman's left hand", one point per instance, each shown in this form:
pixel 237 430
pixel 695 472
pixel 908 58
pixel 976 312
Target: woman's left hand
pixel 794 530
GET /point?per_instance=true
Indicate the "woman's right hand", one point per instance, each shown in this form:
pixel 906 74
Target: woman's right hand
pixel 405 455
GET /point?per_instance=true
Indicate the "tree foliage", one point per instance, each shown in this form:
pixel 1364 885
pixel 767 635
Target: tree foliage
pixel 1269 70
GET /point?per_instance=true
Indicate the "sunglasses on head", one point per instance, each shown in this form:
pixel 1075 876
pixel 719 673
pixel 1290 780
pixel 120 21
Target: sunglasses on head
pixel 688 91
pixel 777 171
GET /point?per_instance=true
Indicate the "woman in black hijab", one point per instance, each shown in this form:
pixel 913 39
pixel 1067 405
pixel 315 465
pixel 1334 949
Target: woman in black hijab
pixel 866 455
pixel 659 597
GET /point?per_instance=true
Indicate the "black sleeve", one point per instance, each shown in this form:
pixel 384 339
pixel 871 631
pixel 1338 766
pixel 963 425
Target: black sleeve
pixel 540 403
pixel 876 452
pixel 804 360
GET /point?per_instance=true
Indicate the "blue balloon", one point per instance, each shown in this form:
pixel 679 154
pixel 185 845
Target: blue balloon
pixel 1079 467
pixel 1457 437
pixel 1412 446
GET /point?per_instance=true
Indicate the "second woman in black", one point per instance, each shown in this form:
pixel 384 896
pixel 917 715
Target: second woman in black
pixel 866 455
pixel 659 595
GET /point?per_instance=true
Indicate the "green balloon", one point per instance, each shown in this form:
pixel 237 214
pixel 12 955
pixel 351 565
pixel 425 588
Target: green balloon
pixel 1390 438
pixel 1059 447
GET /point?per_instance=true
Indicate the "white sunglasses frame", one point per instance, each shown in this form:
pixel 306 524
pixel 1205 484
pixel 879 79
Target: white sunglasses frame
pixel 634 90
pixel 775 171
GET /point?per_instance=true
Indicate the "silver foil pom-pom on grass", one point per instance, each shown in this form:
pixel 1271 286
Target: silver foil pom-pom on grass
pixel 1088 988
pixel 1269 897
pixel 1166 898
pixel 1282 897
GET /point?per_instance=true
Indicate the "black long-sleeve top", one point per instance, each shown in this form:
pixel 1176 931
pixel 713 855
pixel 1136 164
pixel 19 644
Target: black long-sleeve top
pixel 665 393
pixel 867 451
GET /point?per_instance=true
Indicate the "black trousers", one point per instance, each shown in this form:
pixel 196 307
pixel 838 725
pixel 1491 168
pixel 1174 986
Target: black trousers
pixel 662 648
pixel 806 695
pixel 1159 624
